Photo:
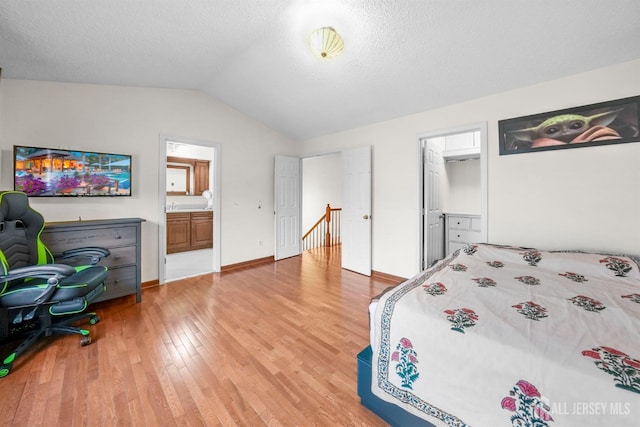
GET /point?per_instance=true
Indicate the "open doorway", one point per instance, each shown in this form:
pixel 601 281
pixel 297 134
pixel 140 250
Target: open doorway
pixel 355 218
pixel 189 208
pixel 321 186
pixel 453 191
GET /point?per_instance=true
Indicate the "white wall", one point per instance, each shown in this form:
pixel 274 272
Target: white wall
pixel 586 198
pixel 583 198
pixel 464 192
pixel 130 120
pixel 321 184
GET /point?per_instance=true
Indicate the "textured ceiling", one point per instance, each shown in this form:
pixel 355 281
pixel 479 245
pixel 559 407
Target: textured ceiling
pixel 400 57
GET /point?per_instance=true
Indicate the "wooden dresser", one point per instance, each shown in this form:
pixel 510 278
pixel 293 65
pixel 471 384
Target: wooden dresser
pixel 121 236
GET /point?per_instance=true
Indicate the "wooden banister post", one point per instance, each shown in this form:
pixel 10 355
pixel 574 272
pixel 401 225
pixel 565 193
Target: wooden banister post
pixel 327 220
pixel 314 234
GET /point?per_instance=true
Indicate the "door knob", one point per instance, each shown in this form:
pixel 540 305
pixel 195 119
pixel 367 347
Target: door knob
pixel 365 216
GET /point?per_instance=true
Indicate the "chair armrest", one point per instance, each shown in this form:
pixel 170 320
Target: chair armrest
pixel 94 253
pixel 52 272
pixel 43 271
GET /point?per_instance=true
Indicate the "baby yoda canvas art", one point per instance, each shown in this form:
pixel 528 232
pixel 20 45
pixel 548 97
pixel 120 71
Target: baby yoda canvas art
pixel 611 122
pixel 567 129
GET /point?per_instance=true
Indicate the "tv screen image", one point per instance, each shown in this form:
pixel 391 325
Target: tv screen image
pixel 49 172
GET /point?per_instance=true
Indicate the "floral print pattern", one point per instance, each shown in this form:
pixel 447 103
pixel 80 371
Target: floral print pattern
pixel 587 303
pixel 633 297
pixel 461 318
pixel 578 278
pixel 531 310
pixel 484 282
pixel 528 280
pixel 533 257
pixel 546 299
pixel 458 267
pixel 470 249
pixel 625 369
pixel 435 288
pixel 407 359
pixel 525 402
pixel 618 265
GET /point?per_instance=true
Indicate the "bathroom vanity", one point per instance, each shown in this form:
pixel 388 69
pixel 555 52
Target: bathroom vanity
pixel 189 230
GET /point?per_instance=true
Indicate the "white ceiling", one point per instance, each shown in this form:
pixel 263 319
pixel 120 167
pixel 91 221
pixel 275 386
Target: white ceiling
pixel 401 56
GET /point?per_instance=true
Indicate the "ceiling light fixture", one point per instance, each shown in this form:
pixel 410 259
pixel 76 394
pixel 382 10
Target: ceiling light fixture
pixel 326 43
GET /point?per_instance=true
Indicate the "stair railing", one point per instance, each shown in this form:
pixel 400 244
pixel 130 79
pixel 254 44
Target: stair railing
pixel 325 232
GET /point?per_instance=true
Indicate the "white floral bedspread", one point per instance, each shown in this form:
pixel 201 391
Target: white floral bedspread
pixel 502 336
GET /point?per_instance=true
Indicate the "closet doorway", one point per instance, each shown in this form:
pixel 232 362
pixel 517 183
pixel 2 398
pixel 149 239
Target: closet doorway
pixel 453 185
pixel 189 181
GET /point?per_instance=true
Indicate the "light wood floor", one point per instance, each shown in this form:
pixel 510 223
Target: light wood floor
pixel 273 345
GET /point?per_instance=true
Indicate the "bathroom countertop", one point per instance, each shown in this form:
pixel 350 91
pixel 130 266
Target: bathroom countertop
pixel 186 209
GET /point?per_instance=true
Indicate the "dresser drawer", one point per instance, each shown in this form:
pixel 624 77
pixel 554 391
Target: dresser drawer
pixel 454 246
pixel 120 282
pixel 464 236
pixel 78 238
pixel 120 257
pixel 117 258
pixel 459 223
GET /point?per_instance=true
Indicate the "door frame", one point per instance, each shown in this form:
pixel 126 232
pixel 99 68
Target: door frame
pixel 484 173
pixel 162 200
pixel 340 152
pixel 301 158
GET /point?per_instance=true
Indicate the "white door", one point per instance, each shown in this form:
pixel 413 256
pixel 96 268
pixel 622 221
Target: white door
pixel 356 210
pixel 287 207
pixel 433 218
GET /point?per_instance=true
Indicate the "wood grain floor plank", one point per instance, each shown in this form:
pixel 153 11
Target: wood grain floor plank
pixel 271 345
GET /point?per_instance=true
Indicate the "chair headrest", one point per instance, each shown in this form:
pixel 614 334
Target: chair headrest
pixel 13 205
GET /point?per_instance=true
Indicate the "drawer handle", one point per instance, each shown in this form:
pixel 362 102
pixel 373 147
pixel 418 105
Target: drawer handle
pixel 118 237
pixel 458 235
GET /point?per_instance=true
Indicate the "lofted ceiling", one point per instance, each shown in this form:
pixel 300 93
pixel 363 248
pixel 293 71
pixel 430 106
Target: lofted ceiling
pixel 401 56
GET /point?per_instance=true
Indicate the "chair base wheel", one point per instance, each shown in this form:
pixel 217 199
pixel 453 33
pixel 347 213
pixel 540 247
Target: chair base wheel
pixel 5 369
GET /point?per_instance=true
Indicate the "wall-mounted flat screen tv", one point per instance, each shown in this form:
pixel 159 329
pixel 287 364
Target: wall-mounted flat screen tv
pixel 49 172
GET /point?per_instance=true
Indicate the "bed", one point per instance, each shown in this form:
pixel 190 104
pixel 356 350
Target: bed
pixel 508 336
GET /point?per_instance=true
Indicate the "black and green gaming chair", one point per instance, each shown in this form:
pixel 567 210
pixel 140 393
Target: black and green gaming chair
pixel 38 297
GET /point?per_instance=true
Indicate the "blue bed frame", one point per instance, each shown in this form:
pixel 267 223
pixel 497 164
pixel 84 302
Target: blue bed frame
pixel 389 412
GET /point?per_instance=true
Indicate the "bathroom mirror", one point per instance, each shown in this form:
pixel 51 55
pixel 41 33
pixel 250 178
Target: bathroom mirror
pixel 178 180
pixel 187 177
